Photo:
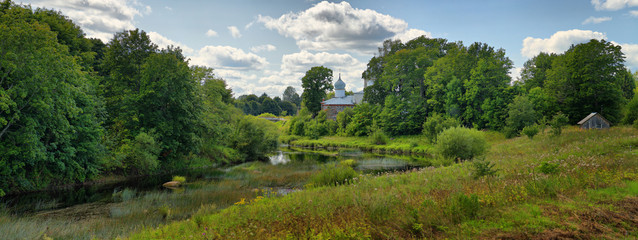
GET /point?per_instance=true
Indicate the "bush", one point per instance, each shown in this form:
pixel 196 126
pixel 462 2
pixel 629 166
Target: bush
pixel 333 175
pixel 378 137
pixel 348 163
pixel 435 124
pixel 141 154
pixel 520 114
pixel 180 179
pixel 631 111
pixel 483 168
pixel 461 143
pixel 548 168
pixel 531 131
pixel 559 121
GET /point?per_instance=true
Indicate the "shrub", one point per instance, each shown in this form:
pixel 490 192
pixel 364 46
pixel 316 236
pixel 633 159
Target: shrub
pixel 180 179
pixel 520 114
pixel 557 123
pixel 461 143
pixel 483 168
pixel 378 137
pixel 548 168
pixel 333 175
pixel 267 115
pixel 531 131
pixel 141 154
pixel 436 123
pixel 631 111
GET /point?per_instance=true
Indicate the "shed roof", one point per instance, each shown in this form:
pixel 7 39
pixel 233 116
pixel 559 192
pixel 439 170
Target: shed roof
pixel 591 115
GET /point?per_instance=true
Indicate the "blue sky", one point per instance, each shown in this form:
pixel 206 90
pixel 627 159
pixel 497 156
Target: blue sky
pixel 264 46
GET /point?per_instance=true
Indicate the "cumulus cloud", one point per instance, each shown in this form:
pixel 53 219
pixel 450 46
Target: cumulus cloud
pixel 266 47
pixel 558 42
pixel 234 31
pixel 329 26
pixel 164 42
pixel 515 73
pixel 295 65
pixel 596 20
pixel 411 34
pixel 613 5
pixel 98 18
pixel 631 54
pixel 229 58
pixel 211 33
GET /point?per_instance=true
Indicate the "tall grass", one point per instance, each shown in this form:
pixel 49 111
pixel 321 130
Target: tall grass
pixel 448 202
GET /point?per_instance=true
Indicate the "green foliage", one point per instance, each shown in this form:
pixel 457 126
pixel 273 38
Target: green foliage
pixel 588 78
pixel 558 122
pixel 254 137
pixel 333 175
pixel 267 115
pixel 461 143
pixel 348 163
pixel 520 115
pixel 362 118
pixel 549 168
pixel 401 117
pixel 435 124
pixel 631 111
pixel 531 131
pixel 180 179
pixel 140 156
pixel 463 207
pixel 49 112
pixel 315 83
pixel 378 137
pixel 343 119
pixel 483 168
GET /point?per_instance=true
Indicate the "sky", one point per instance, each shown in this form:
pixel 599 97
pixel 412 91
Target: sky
pixel 262 46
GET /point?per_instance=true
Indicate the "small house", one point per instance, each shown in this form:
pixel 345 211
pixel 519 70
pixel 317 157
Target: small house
pixel 594 120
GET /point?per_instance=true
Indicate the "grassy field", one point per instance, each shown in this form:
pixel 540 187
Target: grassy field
pixel 582 184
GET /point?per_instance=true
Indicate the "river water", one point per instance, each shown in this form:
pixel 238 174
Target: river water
pixel 33 203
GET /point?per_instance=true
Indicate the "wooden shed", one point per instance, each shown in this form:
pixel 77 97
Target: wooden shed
pixel 594 120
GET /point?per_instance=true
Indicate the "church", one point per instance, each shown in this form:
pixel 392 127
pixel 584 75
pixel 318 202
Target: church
pixel 340 102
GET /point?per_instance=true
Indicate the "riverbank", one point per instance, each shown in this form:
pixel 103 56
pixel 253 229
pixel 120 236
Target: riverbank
pixel 582 184
pixel 403 145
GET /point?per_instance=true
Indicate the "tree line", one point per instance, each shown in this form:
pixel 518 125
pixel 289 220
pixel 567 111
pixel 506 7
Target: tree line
pixel 72 108
pixel 439 81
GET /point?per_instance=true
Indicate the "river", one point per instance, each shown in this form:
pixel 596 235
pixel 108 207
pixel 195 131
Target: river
pixel 143 200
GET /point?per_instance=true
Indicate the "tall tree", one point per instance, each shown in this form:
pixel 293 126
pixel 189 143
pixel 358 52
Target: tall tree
pixel 315 83
pixel 588 78
pixel 49 129
pixel 290 95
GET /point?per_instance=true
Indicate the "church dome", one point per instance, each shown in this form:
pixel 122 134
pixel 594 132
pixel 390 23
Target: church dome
pixel 340 85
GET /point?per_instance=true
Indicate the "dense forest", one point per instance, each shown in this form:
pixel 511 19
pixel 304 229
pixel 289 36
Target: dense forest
pixel 428 82
pixel 73 107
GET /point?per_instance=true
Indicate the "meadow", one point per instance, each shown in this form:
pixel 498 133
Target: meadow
pixel 581 184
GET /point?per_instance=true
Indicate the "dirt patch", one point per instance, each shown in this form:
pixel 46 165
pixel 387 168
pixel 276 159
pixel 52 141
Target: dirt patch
pixel 587 223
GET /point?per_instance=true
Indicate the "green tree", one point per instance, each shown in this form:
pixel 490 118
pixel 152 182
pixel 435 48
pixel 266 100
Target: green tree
pixel 520 115
pixel 315 83
pixel 290 95
pixel 168 103
pixel 588 78
pixel 49 125
pixel 435 124
pixel 534 73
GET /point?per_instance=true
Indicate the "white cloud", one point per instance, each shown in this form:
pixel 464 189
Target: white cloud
pixel 168 8
pixel 634 13
pixel 229 58
pixel 211 33
pixel 631 54
pixel 515 73
pixel 330 26
pixel 98 18
pixel 164 42
pixel 294 67
pixel 613 5
pixel 558 42
pixel 411 34
pixel 234 31
pixel 266 47
pixel 596 20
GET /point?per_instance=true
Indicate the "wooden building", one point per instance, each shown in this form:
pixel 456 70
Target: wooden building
pixel 594 120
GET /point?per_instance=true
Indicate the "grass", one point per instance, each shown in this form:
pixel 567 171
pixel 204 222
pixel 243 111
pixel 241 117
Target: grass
pixel 131 211
pixel 406 145
pixel 591 193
